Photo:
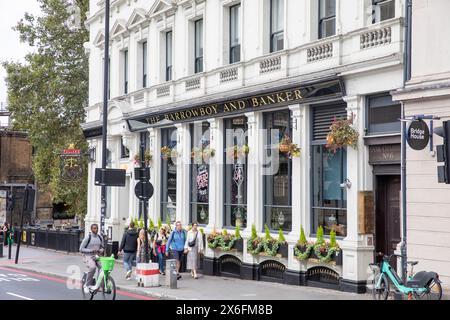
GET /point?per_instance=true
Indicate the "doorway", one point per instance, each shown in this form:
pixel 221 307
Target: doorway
pixel 387 213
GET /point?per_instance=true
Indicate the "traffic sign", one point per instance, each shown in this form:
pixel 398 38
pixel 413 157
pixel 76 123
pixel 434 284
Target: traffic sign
pixel 144 190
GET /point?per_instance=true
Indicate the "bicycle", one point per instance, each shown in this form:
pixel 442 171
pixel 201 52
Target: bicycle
pixel 420 285
pixel 104 282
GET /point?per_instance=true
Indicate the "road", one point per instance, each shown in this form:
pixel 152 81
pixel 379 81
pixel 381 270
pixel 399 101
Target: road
pixel 24 285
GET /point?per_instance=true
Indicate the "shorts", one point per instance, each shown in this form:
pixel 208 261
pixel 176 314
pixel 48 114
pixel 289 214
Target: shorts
pixel 178 255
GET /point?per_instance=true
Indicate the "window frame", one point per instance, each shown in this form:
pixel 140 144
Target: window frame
pixel 290 168
pixel 169 57
pixel 124 151
pixel 125 55
pixel 237 47
pixel 325 18
pixel 368 119
pixel 198 43
pixel 144 63
pixel 376 4
pixel 273 33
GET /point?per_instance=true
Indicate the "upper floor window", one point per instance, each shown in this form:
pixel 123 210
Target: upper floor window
pixel 383 114
pixel 144 64
pixel 383 10
pixel 169 35
pixel 276 25
pixel 199 46
pixel 125 71
pixel 235 33
pixel 327 18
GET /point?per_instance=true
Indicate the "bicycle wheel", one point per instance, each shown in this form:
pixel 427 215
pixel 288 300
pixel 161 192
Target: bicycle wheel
pixel 382 292
pixel 434 291
pixel 86 296
pixel 109 289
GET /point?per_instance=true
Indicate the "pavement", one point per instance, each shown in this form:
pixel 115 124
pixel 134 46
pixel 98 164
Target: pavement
pixel 68 268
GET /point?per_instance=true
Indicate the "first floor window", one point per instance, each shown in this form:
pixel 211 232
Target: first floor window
pixel 276 25
pixel 278 184
pixel 327 18
pixel 169 56
pixel 125 71
pixel 235 178
pixel 383 10
pixel 144 64
pixel 235 34
pixel 383 114
pixel 329 206
pixel 168 177
pixel 200 175
pixel 199 46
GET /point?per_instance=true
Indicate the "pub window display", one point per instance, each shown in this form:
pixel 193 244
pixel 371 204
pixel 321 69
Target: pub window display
pixel 235 179
pixel 200 138
pixel 278 186
pixel 168 176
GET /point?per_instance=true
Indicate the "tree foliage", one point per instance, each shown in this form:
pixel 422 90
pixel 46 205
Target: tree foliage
pixel 48 92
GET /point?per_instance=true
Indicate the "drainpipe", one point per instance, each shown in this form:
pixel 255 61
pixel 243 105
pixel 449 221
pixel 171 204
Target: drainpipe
pixel 406 77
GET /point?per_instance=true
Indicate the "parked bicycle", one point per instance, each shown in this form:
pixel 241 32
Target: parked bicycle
pixel 104 283
pixel 420 286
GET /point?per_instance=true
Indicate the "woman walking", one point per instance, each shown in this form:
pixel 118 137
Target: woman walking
pixel 193 247
pixel 159 248
pixel 141 247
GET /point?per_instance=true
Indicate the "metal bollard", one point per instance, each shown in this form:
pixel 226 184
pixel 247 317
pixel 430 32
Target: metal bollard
pixel 171 274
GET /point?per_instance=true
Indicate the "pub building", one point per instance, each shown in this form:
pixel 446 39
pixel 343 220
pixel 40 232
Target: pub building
pixel 282 88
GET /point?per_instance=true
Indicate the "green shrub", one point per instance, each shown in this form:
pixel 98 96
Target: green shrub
pixel 159 224
pixel 237 233
pixel 281 237
pixel 254 233
pixel 225 232
pixel 267 231
pixel 333 243
pixel 319 235
pixel 302 240
pixel 152 225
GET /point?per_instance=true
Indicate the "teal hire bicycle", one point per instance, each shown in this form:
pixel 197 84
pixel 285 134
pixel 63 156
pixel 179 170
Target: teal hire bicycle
pixel 420 286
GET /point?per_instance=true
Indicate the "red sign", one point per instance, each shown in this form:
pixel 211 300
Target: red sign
pixel 71 151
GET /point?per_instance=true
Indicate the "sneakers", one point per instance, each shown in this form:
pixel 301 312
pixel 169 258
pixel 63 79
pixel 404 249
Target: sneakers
pixel 128 275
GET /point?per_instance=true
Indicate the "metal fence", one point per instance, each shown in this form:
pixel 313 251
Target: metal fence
pixel 66 240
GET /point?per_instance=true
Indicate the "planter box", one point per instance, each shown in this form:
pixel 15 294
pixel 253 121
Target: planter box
pixel 302 249
pixel 284 250
pixel 239 245
pixel 336 257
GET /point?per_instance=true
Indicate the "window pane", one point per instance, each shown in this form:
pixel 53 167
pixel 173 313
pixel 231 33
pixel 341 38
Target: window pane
pixel 199 38
pixel 235 54
pixel 277 15
pixel 144 64
pixel 327 8
pixel 125 71
pixel 235 25
pixel 168 177
pixel 169 56
pixel 328 27
pixel 384 114
pixel 278 203
pixel 277 42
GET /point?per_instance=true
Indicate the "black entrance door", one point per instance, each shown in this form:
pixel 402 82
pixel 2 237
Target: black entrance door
pixel 387 205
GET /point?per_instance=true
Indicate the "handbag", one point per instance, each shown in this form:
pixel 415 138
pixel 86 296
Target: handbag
pixel 193 242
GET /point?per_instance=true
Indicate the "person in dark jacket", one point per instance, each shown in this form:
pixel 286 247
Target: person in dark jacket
pixel 129 247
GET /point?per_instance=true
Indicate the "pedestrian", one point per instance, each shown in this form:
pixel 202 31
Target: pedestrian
pixel 176 243
pixel 193 247
pixel 129 247
pixel 91 246
pixel 141 247
pixel 5 230
pixel 159 248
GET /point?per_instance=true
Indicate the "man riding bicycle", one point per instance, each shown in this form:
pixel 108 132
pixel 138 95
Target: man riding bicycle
pixel 91 246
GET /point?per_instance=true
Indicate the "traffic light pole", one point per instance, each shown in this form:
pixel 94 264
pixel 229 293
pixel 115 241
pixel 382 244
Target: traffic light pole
pixel 144 202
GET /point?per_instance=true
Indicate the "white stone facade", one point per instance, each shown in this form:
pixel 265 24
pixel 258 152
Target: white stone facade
pixel 367 56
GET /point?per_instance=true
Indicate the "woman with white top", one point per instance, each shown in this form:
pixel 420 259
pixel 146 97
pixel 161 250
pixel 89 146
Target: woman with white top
pixel 193 247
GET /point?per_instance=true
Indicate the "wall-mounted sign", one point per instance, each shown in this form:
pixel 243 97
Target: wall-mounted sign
pixel 243 103
pixel 202 183
pixel 418 135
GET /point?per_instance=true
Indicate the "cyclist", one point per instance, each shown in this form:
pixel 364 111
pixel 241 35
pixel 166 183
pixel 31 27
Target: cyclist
pixel 91 246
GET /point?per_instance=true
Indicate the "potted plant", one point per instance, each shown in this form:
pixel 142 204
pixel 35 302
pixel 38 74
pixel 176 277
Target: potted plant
pixel 342 134
pixel 290 149
pixel 225 241
pixel 238 242
pixel 203 153
pixel 167 152
pixel 148 157
pixel 303 248
pixel 283 245
pixel 325 251
pixel 255 244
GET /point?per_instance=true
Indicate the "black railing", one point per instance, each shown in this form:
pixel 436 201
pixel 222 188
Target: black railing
pixel 64 240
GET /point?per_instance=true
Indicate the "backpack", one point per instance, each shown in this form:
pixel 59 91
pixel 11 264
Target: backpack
pixel 89 241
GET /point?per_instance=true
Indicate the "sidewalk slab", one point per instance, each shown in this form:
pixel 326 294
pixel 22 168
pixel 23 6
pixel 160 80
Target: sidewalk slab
pixel 63 265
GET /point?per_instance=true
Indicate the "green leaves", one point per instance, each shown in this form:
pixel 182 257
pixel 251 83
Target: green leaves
pixel 47 95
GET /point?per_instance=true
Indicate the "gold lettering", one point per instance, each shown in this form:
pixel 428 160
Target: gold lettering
pixel 289 96
pixel 195 112
pixel 167 117
pixel 214 107
pixel 255 102
pixel 298 94
pixel 279 98
pixel 182 115
pixel 271 99
pixel 226 108
pixel 241 104
pixel 262 101
pixel 202 111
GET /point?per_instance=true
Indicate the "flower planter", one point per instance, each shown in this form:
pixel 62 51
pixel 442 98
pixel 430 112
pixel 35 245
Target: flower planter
pixel 303 250
pixel 284 250
pixel 335 257
pixel 239 245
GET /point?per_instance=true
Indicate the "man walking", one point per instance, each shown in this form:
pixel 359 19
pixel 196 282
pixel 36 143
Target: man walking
pixel 129 247
pixel 176 243
pixel 91 246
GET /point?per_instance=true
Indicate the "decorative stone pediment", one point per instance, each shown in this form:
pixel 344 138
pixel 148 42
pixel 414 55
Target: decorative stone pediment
pixel 99 40
pixel 162 8
pixel 137 18
pixel 119 29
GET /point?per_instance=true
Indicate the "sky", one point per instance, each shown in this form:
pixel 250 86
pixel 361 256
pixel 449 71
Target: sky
pixel 10 46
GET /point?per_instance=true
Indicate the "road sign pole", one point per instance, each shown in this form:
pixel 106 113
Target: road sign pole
pixel 144 201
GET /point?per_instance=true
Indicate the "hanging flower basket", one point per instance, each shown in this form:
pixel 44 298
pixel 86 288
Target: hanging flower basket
pixel 237 152
pixel 167 152
pixel 148 157
pixel 287 147
pixel 342 134
pixel 203 153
